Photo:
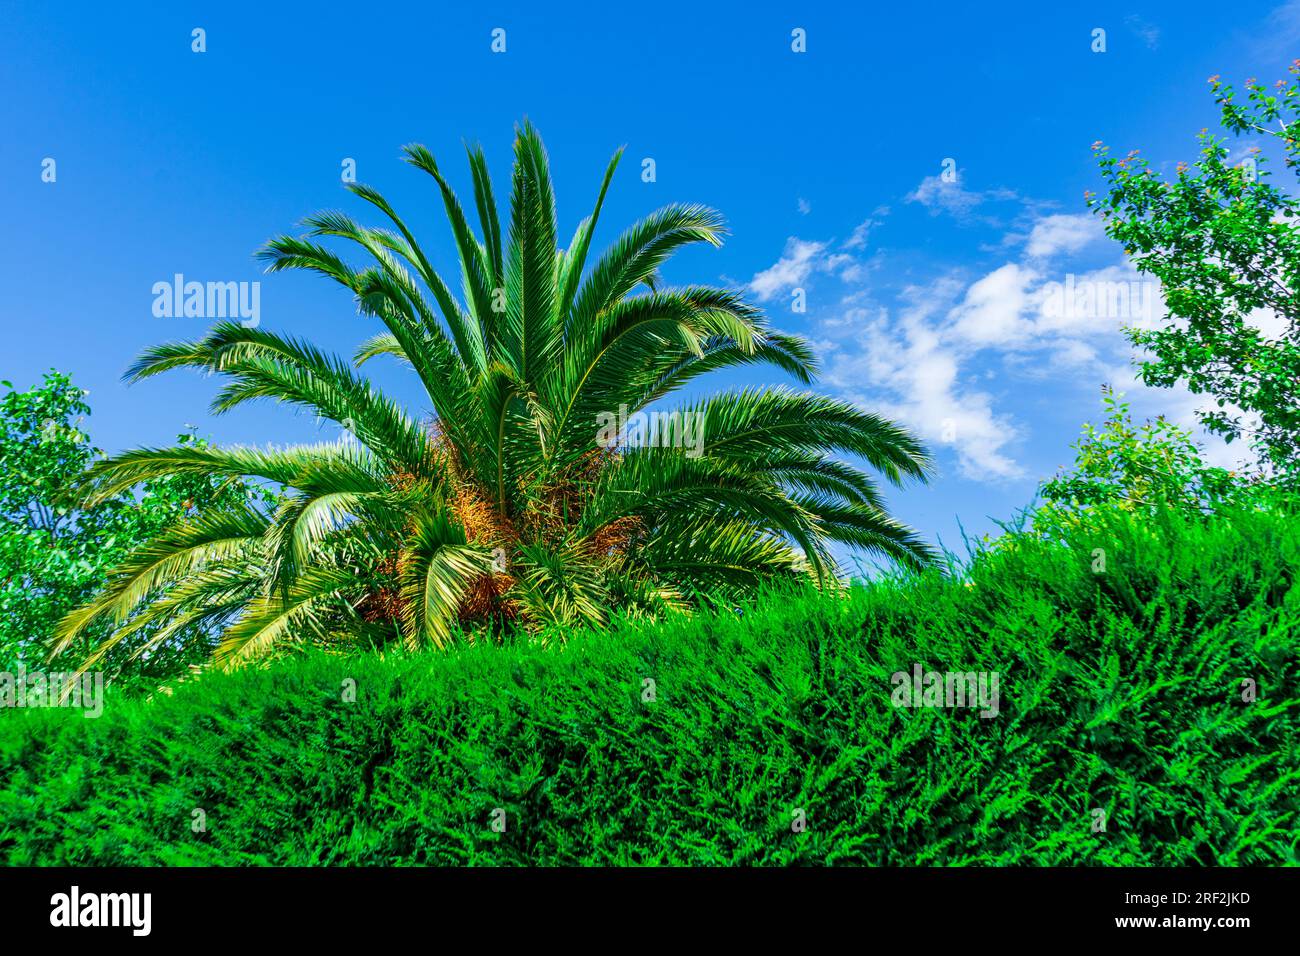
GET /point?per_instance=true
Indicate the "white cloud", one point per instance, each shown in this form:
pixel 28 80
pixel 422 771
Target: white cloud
pixel 798 262
pixel 802 258
pixel 905 370
pixel 794 266
pixel 1062 233
pixel 805 206
pixel 993 311
pixel 862 232
pixel 933 402
pixel 939 195
pixel 1071 354
pixel 925 359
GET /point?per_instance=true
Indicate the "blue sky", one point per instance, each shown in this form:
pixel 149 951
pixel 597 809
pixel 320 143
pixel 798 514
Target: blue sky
pixel 925 295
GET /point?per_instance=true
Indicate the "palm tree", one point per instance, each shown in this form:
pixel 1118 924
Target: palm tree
pixel 509 505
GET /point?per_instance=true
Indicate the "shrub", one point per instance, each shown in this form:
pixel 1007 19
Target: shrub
pixel 1120 691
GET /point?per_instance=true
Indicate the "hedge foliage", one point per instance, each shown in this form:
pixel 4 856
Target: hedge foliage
pixel 1121 691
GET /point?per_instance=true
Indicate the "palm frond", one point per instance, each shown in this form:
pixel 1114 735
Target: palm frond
pixel 391 531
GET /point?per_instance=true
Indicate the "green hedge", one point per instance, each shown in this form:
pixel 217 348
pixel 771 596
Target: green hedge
pixel 1120 691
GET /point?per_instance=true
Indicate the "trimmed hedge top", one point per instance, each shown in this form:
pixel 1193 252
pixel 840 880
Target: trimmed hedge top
pixel 1148 712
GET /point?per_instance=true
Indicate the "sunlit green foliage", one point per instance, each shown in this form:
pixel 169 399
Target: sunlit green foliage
pixel 1121 691
pixel 1222 237
pixel 55 554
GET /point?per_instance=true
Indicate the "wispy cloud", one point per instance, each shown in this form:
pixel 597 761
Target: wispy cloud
pixel 940 195
pixel 903 368
pixel 862 232
pixel 800 260
pixel 795 265
pixel 1146 32
pixel 1278 34
pixel 1284 22
pixel 953 358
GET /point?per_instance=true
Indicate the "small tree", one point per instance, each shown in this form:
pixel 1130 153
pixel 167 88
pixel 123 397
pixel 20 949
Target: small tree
pixel 53 555
pixel 1137 467
pixel 1224 242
